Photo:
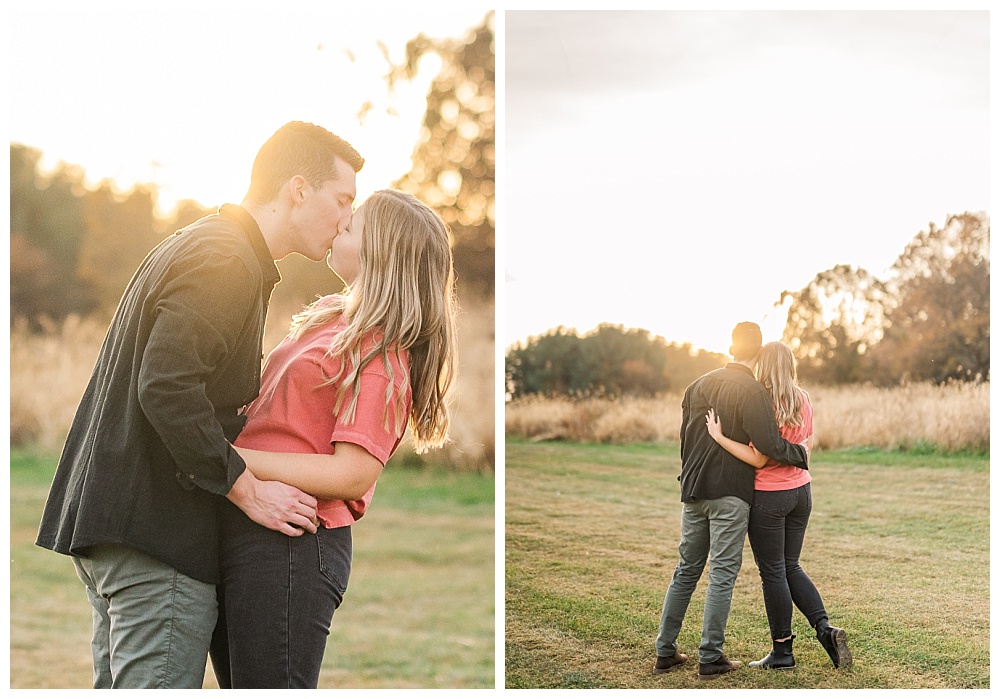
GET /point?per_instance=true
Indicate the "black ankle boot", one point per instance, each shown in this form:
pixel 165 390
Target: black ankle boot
pixel 834 641
pixel 780 657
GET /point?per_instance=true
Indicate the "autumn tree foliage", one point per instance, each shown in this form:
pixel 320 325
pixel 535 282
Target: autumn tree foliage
pixel 455 159
pixel 939 327
pixel 74 248
pixel 120 230
pixel 834 321
pixel 928 322
pixel 46 231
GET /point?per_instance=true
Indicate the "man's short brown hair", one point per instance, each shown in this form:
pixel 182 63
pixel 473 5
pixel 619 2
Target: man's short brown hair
pixel 298 148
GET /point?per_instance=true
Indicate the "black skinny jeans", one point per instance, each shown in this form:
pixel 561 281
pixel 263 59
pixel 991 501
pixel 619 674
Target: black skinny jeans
pixel 777 529
pixel 276 603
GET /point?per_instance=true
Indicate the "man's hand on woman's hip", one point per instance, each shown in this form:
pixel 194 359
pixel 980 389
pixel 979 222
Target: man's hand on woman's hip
pixel 275 505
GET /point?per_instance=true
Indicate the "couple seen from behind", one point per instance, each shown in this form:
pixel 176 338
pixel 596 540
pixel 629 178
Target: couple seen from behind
pixel 745 444
pixel 207 502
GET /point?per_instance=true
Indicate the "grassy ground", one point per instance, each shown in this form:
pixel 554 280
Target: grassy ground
pixel 898 546
pixel 419 611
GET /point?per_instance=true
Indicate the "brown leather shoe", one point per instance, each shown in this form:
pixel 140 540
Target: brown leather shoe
pixel 668 664
pixel 709 671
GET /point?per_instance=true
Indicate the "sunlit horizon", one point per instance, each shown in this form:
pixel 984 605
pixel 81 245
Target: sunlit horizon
pixel 134 102
pixel 713 335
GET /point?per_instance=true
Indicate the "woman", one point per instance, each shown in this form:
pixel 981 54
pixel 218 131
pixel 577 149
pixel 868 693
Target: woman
pixel 780 513
pixel 336 396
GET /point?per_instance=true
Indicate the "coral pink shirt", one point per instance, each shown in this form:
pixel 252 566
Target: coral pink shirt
pixel 295 412
pixel 775 476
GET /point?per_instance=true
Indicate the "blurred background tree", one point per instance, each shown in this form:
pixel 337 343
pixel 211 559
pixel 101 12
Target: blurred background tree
pixel 833 322
pixel 550 364
pixel 939 327
pixel 609 361
pixel 47 229
pixel 454 161
pixel 74 248
pixel 119 229
pixel 930 321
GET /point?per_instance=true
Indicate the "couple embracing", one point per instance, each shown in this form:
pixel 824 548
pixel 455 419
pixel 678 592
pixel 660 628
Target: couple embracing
pixel 207 502
pixel 745 444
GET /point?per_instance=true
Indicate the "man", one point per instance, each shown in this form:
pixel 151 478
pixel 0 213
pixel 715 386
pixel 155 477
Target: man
pixel 135 495
pixel 716 492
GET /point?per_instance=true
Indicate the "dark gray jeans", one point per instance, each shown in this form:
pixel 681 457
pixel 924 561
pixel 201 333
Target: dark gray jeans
pixel 708 527
pixel 777 530
pixel 276 603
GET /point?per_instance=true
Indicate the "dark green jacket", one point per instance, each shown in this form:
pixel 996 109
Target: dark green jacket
pixel 148 457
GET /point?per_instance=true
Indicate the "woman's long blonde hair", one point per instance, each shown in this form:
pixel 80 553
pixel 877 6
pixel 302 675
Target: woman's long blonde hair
pixel 776 371
pixel 403 297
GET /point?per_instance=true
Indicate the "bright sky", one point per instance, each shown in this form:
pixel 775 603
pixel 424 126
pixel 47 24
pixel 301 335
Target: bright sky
pixel 183 94
pixel 676 171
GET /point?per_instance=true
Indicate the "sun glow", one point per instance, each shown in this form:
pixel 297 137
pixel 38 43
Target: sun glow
pixel 184 106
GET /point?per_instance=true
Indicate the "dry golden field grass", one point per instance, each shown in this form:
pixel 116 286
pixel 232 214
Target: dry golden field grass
pixel 49 373
pixel 949 418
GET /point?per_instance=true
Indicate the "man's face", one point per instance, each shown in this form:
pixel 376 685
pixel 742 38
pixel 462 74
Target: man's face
pixel 324 211
pixel 345 253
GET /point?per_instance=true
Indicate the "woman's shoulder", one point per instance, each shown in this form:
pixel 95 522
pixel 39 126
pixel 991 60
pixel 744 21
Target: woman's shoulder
pixel 330 300
pixel 383 358
pixel 374 339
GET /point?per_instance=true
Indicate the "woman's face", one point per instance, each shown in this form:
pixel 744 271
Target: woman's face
pixel 345 252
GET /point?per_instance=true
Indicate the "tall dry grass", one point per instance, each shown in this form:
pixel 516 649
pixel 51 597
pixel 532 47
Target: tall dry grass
pixel 48 375
pixel 50 371
pixel 621 421
pixel 948 418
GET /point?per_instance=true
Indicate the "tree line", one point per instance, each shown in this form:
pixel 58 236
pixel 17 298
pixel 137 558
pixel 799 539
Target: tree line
pixel 929 321
pixel 74 247
pixel 610 361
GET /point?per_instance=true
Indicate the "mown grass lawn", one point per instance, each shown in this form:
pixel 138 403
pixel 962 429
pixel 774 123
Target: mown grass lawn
pixel 419 611
pixel 898 546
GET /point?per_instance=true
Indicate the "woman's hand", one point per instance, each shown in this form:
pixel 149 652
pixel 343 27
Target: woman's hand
pixel 744 452
pixel 714 426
